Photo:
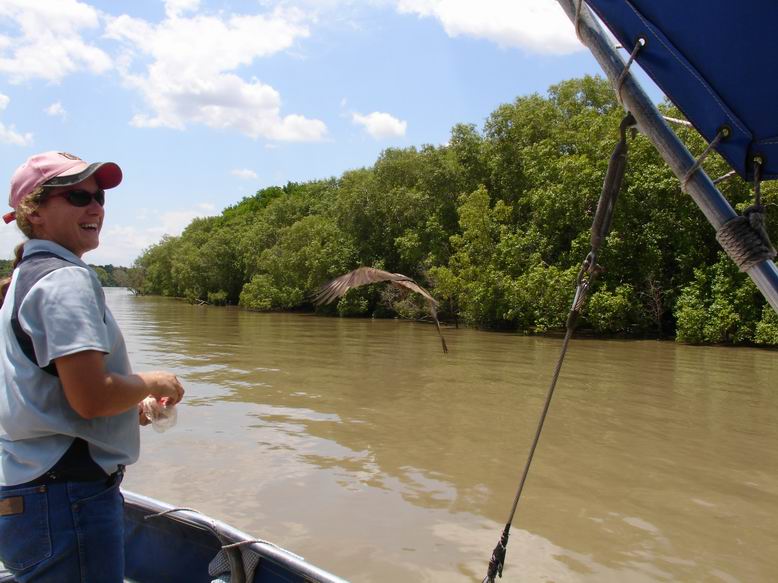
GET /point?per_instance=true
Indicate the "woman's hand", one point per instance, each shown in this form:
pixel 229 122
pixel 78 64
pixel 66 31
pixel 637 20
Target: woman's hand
pixel 163 384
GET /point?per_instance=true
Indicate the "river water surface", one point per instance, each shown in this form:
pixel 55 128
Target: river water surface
pixel 359 445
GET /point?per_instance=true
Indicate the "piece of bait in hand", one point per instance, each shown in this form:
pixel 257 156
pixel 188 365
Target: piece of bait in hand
pixel 162 415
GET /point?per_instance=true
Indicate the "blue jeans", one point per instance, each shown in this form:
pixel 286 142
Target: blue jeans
pixel 63 532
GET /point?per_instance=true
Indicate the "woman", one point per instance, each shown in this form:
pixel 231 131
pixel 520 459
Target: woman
pixel 69 402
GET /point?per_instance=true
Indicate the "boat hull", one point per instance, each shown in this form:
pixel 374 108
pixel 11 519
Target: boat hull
pixel 168 545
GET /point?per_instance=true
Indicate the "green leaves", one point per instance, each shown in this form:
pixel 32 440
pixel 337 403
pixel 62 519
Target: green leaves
pixel 495 224
pixel 720 305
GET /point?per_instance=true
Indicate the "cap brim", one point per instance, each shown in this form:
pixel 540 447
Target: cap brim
pixel 107 174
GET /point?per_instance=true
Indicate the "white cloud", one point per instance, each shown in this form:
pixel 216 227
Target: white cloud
pixel 49 44
pixel 381 125
pixel 174 8
pixel 8 134
pixel 536 25
pixel 122 244
pixel 244 173
pixel 191 76
pixel 174 222
pixel 56 110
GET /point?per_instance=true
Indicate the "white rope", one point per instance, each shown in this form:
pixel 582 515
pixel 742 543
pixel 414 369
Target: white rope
pixel 758 161
pixel 682 122
pixel 243 543
pixel 723 133
pixel 165 512
pixel 729 174
pixel 639 45
pixel 577 21
pixel 620 81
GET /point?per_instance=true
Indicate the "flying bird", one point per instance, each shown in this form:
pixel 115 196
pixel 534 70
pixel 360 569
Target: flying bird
pixel 366 275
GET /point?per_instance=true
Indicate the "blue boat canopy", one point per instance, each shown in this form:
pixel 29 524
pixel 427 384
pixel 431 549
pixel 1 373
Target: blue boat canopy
pixel 717 61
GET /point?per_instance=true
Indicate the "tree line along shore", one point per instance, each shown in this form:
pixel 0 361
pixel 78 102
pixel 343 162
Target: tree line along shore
pixel 109 275
pixel 495 224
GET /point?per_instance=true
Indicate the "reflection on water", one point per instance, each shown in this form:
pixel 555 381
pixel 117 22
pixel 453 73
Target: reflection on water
pixel 359 445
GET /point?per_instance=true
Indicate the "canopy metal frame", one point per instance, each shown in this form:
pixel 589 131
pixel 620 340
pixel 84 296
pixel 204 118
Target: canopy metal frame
pixel 650 122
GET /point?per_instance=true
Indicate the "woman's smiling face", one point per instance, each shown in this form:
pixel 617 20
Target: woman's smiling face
pixel 75 228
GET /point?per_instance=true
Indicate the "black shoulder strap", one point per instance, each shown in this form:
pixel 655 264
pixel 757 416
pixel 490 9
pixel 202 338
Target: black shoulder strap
pixel 33 268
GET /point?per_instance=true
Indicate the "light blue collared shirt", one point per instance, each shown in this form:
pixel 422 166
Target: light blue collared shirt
pixel 64 313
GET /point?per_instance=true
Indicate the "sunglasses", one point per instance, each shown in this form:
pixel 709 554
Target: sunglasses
pixel 80 197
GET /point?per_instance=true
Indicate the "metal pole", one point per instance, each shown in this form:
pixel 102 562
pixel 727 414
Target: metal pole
pixel 714 206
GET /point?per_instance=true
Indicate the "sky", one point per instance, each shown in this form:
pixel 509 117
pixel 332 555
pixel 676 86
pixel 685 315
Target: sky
pixel 204 102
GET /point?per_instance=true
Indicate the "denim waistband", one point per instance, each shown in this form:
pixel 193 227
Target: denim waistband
pixel 54 478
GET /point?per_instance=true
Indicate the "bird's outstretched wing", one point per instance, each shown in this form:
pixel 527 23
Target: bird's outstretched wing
pixel 360 276
pixel 366 275
pixel 413 286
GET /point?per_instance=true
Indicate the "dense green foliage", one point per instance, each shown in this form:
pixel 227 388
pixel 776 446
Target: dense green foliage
pixel 495 223
pixel 112 276
pixel 109 275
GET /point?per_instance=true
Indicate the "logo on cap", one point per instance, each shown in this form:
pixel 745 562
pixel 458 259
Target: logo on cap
pixel 69 156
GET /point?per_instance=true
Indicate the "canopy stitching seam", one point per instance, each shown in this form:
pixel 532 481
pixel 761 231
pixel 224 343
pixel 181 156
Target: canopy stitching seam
pixel 689 68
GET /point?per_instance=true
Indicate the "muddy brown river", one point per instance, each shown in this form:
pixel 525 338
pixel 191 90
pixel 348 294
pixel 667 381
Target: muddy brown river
pixel 362 447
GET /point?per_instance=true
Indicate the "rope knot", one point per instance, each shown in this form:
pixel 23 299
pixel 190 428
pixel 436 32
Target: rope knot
pixel 498 557
pixel 745 238
pixel 756 216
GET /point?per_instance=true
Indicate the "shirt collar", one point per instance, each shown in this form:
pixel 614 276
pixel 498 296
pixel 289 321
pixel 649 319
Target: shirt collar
pixel 38 245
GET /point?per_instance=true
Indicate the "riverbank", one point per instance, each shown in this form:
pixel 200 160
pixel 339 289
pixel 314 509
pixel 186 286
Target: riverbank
pixel 580 332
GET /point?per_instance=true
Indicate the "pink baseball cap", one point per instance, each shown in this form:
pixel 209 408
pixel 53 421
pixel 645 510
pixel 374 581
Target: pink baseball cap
pixel 57 169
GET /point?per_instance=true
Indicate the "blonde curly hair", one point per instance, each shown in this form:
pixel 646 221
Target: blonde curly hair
pixel 28 205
